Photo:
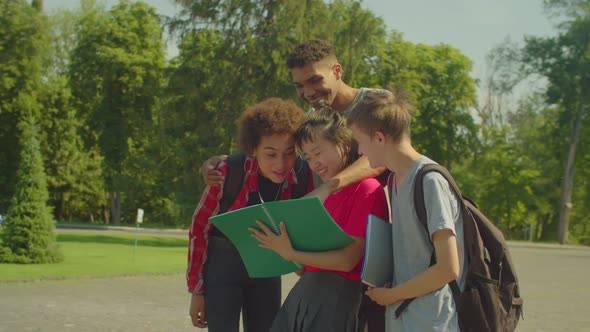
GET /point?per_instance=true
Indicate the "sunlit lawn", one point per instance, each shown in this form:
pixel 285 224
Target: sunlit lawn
pixel 96 255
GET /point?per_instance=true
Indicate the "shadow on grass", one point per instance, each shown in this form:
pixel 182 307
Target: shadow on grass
pixel 108 239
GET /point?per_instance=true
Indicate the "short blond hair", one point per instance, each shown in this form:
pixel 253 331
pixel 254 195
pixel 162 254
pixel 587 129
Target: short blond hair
pixel 389 113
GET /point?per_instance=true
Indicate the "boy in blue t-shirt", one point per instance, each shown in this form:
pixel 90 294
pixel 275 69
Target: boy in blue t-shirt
pixel 381 126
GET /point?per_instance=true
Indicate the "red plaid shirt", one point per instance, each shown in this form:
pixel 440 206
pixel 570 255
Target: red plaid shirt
pixel 209 206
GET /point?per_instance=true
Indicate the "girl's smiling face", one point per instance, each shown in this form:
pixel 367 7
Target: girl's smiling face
pixel 324 157
pixel 276 156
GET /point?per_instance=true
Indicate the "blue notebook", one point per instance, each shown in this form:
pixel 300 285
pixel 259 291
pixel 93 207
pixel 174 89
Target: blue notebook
pixel 310 228
pixel 378 261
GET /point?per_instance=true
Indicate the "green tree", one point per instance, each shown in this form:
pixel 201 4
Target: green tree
pixel 28 236
pixel 74 174
pixel 534 134
pixel 580 228
pixel 23 39
pixel 116 73
pixel 396 64
pixel 247 27
pixel 498 174
pixel 505 177
pixel 438 82
pixel 63 34
pixel 565 61
pixel 192 124
pixel 444 128
pixel 503 74
pixel 358 37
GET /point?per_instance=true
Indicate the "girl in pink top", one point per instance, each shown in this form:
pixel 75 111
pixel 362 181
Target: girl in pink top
pixel 327 296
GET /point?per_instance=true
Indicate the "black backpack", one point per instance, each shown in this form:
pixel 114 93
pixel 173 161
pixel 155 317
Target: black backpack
pixel 234 179
pixel 491 299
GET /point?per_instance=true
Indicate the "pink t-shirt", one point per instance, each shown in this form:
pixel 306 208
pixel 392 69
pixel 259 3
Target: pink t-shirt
pixel 350 208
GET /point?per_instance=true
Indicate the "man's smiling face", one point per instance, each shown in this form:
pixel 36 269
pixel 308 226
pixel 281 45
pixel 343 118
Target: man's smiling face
pixel 317 82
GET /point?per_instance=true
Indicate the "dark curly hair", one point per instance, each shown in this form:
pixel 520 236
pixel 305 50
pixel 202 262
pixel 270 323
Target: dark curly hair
pixel 311 51
pixel 330 125
pixel 273 116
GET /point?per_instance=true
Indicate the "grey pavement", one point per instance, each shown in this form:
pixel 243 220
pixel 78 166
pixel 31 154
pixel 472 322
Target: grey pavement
pixel 554 283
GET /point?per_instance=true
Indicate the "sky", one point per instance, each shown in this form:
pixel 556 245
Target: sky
pixel 472 26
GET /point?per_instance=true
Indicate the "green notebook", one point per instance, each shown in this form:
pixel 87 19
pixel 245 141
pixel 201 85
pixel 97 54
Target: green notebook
pixel 309 225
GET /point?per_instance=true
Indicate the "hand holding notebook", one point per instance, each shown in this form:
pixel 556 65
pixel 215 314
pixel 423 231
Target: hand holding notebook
pixel 309 226
pixel 279 243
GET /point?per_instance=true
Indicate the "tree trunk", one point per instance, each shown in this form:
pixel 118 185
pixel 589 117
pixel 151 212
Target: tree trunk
pixel 115 199
pixel 105 214
pixel 542 222
pixel 509 210
pixel 59 206
pixel 565 207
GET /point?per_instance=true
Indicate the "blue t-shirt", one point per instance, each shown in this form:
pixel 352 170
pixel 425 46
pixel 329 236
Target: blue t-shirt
pixel 412 251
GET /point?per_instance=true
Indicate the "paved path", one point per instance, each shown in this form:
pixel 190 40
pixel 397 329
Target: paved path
pixel 554 283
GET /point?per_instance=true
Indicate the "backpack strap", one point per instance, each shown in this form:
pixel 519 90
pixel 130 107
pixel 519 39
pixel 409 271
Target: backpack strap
pixel 421 207
pixel 234 180
pixel 421 213
pixel 419 188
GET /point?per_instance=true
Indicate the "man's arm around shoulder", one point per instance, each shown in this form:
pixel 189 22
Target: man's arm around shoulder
pixel 359 170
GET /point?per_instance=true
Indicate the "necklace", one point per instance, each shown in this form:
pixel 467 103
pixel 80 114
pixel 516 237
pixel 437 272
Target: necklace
pixel 280 186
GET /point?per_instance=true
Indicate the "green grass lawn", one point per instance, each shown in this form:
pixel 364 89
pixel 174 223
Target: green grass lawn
pixel 99 255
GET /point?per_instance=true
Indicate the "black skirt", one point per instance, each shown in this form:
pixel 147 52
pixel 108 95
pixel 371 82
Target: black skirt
pixel 322 302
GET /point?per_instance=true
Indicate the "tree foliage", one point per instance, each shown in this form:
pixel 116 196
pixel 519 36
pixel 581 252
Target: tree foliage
pixel 74 174
pixel 121 127
pixel 28 236
pixel 116 74
pixel 565 61
pixel 23 37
